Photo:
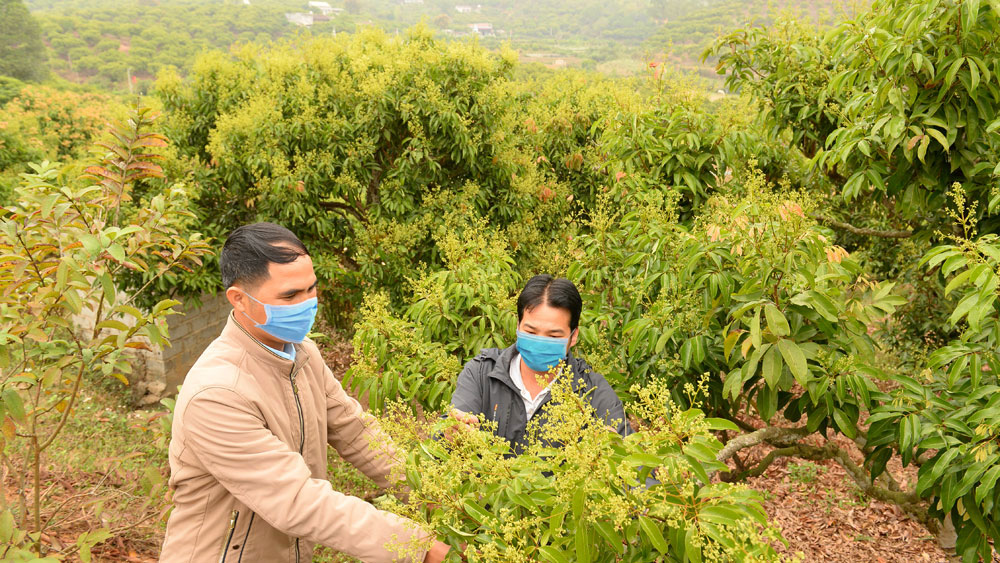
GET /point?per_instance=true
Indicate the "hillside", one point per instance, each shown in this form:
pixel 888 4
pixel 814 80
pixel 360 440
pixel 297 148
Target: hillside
pixel 688 28
pixel 107 43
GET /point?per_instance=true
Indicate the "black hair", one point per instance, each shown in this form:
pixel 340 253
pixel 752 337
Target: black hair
pixel 554 292
pixel 251 248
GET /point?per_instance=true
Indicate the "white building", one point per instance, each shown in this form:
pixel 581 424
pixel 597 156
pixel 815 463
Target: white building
pixel 483 29
pixel 412 2
pixel 323 7
pixel 463 9
pixel 300 18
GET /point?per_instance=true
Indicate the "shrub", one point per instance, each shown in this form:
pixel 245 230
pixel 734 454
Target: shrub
pixel 65 250
pixel 579 488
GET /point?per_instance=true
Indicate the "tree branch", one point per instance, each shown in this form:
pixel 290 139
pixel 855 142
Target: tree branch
pixel 345 207
pixel 772 435
pixel 861 231
pixel 786 438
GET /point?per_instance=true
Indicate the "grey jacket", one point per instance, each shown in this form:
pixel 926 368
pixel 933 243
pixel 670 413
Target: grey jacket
pixel 484 387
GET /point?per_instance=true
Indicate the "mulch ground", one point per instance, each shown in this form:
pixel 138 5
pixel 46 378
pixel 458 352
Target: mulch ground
pixel 824 517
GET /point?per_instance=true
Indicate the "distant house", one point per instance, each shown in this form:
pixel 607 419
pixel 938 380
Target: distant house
pixel 463 9
pixel 483 29
pixel 300 18
pixel 320 18
pixel 413 1
pixel 323 7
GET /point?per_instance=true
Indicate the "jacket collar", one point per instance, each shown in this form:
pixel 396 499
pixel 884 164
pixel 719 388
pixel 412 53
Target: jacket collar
pixel 234 332
pixel 501 365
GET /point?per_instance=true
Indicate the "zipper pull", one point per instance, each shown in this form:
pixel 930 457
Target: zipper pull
pixel 229 535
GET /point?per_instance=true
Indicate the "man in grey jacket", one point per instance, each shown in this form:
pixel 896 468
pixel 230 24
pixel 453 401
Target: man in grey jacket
pixel 511 386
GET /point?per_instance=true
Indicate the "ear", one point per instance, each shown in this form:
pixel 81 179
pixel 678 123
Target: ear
pixel 236 298
pixel 573 337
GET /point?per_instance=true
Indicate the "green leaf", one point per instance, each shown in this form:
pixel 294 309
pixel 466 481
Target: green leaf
pixel 816 417
pixel 583 543
pixel 661 342
pixel 579 499
pixel 638 459
pixel 477 512
pixel 91 244
pixel 776 321
pixel 940 138
pixel 653 533
pixel 721 514
pixel 552 554
pixel 824 306
pixel 970 13
pixel 950 76
pixel 721 424
pixel 109 288
pixel 771 367
pixel 795 359
pixel 15 406
pixel 944 462
pixel 608 532
pixel 767 402
pixel 117 252
pixel 692 551
pixel 963 308
pixel 844 424
pixel 112 324
pixel 6 527
pixel 731 339
pixel 755 329
pixel 130 310
pixel 985 487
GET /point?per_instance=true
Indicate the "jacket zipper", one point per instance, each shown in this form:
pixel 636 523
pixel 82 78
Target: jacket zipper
pixel 302 433
pixel 229 535
pixel 302 442
pixel 246 538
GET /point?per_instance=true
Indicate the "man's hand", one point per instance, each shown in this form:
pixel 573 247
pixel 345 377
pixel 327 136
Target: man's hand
pixel 437 553
pixel 466 422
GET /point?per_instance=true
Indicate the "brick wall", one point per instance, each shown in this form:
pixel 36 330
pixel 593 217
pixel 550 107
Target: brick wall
pixel 156 374
pixel 190 334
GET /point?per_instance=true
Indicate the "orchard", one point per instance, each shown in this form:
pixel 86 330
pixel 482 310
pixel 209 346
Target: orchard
pixel 807 264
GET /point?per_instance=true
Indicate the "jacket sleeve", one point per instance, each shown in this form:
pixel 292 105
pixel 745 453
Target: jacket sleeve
pixel 227 435
pixel 607 406
pixel 356 435
pixel 468 396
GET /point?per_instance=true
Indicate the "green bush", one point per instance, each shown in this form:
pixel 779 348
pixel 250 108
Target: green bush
pixel 584 499
pixel 65 251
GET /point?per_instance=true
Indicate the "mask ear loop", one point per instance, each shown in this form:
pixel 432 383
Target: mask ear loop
pixel 266 314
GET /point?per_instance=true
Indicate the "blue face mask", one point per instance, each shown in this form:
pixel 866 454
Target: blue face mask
pixel 541 353
pixel 288 323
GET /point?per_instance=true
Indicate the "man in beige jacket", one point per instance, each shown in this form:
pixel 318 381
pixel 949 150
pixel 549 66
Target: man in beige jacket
pixel 252 423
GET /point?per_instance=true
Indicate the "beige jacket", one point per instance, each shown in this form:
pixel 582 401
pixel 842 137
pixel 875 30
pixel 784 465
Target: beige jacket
pixel 248 461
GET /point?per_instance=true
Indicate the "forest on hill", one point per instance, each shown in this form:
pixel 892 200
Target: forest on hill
pixel 793 285
pixel 105 42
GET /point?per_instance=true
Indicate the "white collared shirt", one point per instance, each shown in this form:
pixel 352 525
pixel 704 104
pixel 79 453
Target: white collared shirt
pixel 530 405
pixel 288 353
